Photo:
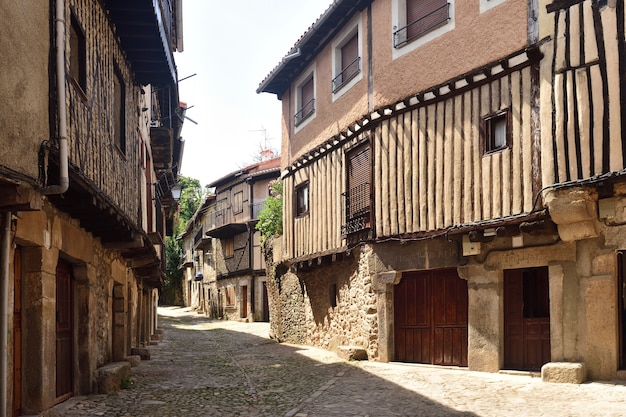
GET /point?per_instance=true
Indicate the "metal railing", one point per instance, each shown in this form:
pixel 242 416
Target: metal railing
pixel 422 25
pixel 347 74
pixel 307 110
pixel 356 209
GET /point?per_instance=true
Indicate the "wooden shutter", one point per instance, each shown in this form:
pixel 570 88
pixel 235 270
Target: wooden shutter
pixel 359 166
pixel 307 92
pixel 422 9
pixel 349 54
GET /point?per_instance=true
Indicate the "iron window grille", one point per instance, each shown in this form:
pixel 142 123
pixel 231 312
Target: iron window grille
pixel 425 24
pixel 356 209
pixel 347 74
pixel 307 110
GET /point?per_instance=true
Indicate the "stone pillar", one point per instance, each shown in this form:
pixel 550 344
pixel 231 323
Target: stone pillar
pixel 39 328
pixel 85 277
pixel 382 284
pixel 564 302
pixel 485 336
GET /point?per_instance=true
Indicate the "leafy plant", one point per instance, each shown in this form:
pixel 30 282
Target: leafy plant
pixel 271 216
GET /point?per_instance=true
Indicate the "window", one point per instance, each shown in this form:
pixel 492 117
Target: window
pixel 238 202
pixel 416 22
pixel 119 114
pixel 78 54
pixel 228 247
pixel 305 100
pixel 488 4
pixel 302 199
pixel 334 295
pixel 229 296
pixel 347 61
pixel 496 131
pixel 357 199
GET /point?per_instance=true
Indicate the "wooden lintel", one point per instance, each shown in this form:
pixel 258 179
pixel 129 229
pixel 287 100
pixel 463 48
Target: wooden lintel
pixel 136 242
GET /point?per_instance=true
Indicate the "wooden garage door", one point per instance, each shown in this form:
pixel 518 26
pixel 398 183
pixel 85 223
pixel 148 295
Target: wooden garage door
pixel 430 318
pixel 526 319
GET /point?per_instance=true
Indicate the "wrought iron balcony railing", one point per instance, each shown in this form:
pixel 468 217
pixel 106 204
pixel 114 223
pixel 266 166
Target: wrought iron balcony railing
pixel 421 26
pixel 307 110
pixel 356 209
pixel 347 74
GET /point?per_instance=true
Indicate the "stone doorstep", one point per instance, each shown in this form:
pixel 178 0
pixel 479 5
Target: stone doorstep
pixel 564 372
pixel 109 377
pixel 143 353
pixel 352 353
pixel 134 360
pixel 156 337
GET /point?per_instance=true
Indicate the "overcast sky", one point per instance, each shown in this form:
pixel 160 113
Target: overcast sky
pixel 232 46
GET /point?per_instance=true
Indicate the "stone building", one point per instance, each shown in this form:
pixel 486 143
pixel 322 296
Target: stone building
pixel 454 185
pixel 89 153
pixel 198 265
pixel 239 290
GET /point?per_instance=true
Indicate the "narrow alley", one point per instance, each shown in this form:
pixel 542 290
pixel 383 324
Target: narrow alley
pixel 225 368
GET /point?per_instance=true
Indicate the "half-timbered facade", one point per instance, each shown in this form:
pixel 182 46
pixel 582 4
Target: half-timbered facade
pixel 238 261
pixel 436 202
pixel 90 152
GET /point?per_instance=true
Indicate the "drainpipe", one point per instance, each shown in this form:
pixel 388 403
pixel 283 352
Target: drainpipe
pixel 64 180
pixel 5 249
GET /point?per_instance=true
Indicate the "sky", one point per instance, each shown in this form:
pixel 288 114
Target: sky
pixel 232 46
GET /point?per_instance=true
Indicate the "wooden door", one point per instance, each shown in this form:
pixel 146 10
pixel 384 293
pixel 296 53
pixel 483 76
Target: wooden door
pixel 17 333
pixel 244 301
pixel 266 303
pixel 526 319
pixel 621 308
pixel 64 330
pixel 430 318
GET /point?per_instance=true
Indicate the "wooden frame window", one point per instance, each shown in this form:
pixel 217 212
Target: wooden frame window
pixel 238 202
pixel 119 111
pixel 357 199
pixel 229 296
pixel 347 60
pixel 302 199
pixel 78 54
pixel 305 100
pixel 497 131
pixel 228 247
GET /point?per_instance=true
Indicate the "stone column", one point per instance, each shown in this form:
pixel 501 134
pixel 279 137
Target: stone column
pixel 564 302
pixel 382 284
pixel 39 327
pixel 485 349
pixel 85 300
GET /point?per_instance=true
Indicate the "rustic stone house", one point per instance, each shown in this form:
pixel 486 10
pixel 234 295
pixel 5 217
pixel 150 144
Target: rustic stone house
pixel 89 151
pixel 240 291
pixel 453 184
pixel 198 263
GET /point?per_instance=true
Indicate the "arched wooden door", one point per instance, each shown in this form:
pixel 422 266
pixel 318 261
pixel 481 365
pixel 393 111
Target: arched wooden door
pixel 430 318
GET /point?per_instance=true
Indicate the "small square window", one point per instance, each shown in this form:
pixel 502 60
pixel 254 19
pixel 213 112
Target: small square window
pixel 229 247
pixel 302 199
pixel 496 131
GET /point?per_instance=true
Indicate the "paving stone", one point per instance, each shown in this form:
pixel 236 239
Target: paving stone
pixel 205 368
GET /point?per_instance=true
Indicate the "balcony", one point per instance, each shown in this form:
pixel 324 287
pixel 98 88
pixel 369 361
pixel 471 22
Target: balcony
pixel 356 210
pixel 305 112
pixel 423 25
pixel 227 223
pixel 146 29
pixel 347 74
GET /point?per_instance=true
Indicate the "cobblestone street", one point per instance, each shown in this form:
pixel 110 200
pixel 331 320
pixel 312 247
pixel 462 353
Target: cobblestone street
pixel 221 368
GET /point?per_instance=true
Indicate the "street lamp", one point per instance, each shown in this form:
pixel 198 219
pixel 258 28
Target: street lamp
pixel 176 190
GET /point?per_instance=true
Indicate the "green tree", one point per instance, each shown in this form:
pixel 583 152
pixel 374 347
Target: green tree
pixel 271 216
pixel 190 199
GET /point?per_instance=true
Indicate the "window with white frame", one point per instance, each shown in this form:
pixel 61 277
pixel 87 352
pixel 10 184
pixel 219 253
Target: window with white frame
pixel 347 54
pixel 305 99
pixel 497 131
pixel 488 4
pixel 416 22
